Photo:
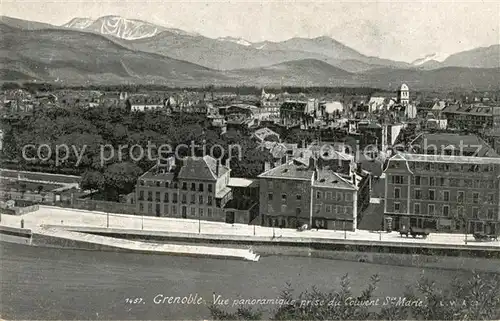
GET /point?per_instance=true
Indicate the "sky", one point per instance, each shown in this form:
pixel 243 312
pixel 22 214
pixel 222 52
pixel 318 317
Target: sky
pixel 396 30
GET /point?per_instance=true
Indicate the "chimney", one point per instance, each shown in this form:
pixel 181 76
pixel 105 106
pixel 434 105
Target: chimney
pixel 217 168
pixel 354 179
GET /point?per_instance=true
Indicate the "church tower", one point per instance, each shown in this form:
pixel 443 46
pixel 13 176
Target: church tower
pixel 404 95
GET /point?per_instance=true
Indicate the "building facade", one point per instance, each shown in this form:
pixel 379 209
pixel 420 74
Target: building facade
pixel 444 193
pixel 196 188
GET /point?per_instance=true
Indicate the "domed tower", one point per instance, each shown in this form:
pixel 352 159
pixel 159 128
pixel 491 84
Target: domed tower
pixel 404 95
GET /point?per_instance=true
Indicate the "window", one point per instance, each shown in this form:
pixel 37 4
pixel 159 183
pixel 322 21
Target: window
pixel 166 198
pixel 339 196
pixel 141 195
pixel 283 197
pixel 416 208
pixel 446 196
pixel 283 208
pixel 397 179
pixel 446 211
pixel 184 186
pixel 165 209
pixel 431 181
pixel 299 197
pixel 491 197
pixel 150 196
pixel 328 208
pixel 158 183
pixel 298 211
pixel 193 211
pixel 141 207
pixel 460 197
pixel 397 192
pixel 200 212
pixel 475 198
pixel 417 180
pixel 397 207
pixel 166 184
pixel 329 195
pixel 150 208
pixel 318 194
pixel 184 199
pixel 491 214
pixel 157 196
pixel 193 186
pixel 200 199
pixel 200 187
pixel 348 197
pixel 270 196
pixel 210 188
pixel 460 211
pixel 210 200
pixel 432 194
pixel 193 199
pixel 475 213
pixel 431 209
pixel 418 194
pixel 142 182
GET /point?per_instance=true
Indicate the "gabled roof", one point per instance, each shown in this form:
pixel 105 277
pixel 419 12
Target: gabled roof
pixel 201 168
pixel 291 170
pixel 330 179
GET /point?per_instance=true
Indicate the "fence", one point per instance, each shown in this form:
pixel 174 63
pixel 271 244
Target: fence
pixel 102 206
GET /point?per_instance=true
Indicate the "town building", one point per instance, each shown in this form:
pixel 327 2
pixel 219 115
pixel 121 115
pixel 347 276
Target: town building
pixel 195 188
pixel 298 113
pixel 306 191
pixel 475 117
pixel 442 192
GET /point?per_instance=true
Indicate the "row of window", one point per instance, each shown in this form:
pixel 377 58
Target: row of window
pixel 339 196
pixel 335 209
pixel 444 181
pixel 166 198
pixel 193 187
pixel 444 167
pixel 445 196
pixel 445 210
pixel 167 209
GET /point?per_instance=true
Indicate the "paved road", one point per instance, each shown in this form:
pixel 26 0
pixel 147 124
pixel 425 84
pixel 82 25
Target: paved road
pixel 59 284
pixel 58 216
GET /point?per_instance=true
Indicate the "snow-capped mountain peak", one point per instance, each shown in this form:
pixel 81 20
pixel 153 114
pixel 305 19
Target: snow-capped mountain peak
pixel 239 41
pixel 440 57
pixel 79 23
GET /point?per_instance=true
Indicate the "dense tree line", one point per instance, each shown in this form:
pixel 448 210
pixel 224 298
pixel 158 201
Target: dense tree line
pixel 477 298
pixel 93 138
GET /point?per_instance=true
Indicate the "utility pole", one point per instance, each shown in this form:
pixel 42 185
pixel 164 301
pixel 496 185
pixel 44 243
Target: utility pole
pixel 199 223
pixel 107 219
pixel 142 221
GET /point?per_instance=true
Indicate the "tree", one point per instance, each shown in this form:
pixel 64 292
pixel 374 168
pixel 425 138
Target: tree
pixel 120 178
pixel 476 299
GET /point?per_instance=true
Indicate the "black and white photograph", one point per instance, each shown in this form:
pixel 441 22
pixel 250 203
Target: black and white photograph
pixel 249 160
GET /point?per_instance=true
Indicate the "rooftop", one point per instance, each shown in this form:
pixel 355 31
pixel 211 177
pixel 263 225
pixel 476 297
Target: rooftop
pixel 467 143
pixel 478 110
pixel 201 168
pixel 291 170
pixel 241 182
pixel 445 159
pixel 331 179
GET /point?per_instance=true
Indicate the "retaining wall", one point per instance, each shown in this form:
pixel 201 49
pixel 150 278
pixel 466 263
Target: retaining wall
pixel 15 235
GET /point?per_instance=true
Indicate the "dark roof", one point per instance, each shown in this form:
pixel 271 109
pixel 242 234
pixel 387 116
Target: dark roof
pixel 479 110
pixel 201 168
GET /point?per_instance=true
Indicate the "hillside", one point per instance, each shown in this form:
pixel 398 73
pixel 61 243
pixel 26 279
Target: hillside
pixel 79 57
pixel 484 57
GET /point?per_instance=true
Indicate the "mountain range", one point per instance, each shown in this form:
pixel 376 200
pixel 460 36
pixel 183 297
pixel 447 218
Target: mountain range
pixel 113 49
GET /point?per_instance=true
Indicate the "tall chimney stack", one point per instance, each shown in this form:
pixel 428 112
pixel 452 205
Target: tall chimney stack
pixel 217 168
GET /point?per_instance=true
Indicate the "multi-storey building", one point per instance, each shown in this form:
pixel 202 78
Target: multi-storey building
pixel 472 117
pixel 442 192
pixel 196 188
pixel 299 192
